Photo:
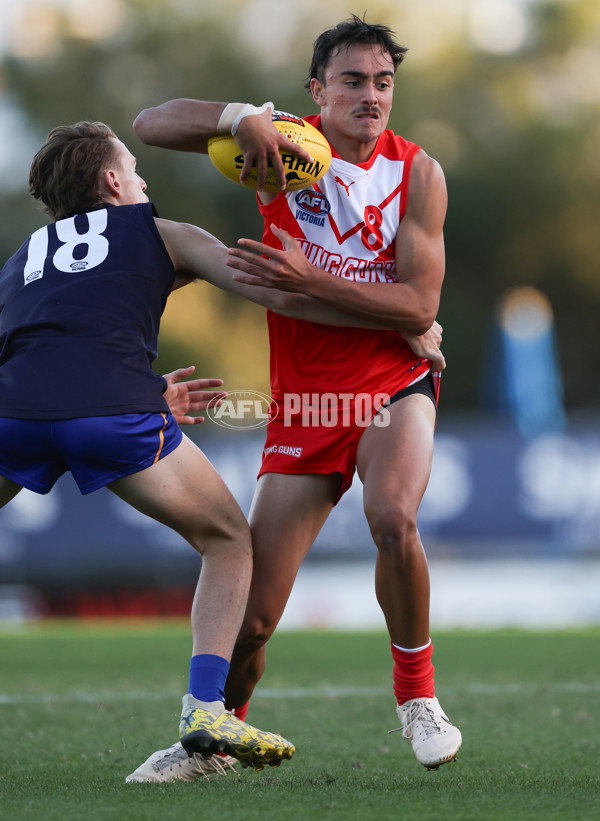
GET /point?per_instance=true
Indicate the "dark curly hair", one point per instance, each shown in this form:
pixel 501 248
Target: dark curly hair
pixel 345 34
pixel 65 172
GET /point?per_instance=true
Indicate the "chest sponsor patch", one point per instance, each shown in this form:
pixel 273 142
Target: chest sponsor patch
pixel 312 207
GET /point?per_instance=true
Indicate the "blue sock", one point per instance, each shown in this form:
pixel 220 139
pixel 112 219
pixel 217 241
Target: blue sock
pixel 208 675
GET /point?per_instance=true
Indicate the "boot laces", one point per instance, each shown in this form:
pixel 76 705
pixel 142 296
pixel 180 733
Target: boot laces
pixel 171 759
pixel 419 711
pixel 175 758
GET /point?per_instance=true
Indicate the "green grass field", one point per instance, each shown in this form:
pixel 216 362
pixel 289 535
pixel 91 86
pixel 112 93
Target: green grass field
pixel 82 706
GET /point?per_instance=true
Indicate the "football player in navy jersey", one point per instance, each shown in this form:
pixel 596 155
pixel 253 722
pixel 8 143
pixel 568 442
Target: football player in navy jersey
pixel 83 297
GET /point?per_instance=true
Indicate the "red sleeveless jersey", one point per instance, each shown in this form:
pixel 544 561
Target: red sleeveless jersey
pixel 346 224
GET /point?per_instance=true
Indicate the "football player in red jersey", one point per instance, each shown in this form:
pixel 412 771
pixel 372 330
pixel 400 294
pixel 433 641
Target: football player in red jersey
pixel 377 253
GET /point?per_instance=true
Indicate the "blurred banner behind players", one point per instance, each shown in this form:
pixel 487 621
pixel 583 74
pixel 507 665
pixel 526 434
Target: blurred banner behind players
pixel 521 376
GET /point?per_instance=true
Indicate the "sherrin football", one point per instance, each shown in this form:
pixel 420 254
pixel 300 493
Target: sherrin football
pixel 226 156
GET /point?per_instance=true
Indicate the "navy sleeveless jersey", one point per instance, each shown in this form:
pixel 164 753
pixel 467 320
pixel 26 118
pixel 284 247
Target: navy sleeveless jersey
pixel 80 306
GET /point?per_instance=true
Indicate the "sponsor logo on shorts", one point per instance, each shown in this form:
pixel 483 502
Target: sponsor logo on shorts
pixel 287 450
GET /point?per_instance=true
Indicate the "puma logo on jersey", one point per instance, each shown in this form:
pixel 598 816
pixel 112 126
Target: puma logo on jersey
pixel 343 184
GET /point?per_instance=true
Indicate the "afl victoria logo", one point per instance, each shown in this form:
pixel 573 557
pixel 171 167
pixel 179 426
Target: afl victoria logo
pixel 313 202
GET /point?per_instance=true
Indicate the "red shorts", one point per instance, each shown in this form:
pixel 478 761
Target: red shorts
pixel 295 445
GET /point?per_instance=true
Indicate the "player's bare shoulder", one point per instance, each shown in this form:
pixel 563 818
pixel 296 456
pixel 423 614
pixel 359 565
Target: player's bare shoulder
pixel 427 193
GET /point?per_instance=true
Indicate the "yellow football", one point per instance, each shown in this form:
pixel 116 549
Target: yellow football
pixel 226 156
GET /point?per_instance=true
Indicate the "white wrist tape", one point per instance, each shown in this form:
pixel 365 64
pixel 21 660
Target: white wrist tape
pixel 234 113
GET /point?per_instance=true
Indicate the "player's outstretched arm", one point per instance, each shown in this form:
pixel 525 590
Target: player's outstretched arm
pixel 187 125
pixel 196 254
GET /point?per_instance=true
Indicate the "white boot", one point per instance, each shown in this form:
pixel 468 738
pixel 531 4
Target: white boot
pixel 174 764
pixel 434 739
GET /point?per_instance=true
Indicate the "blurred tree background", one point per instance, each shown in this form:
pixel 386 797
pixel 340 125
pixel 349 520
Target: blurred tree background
pixel 505 93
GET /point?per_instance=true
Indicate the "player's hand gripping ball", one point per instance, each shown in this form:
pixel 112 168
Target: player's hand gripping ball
pixel 226 156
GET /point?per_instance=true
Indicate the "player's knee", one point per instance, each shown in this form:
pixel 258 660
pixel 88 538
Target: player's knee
pixel 394 529
pixel 222 533
pixel 255 632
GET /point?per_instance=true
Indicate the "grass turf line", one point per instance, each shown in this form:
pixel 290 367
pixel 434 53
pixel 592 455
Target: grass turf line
pixel 530 751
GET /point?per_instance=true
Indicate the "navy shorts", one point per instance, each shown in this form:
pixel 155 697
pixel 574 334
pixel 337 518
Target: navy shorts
pixel 96 449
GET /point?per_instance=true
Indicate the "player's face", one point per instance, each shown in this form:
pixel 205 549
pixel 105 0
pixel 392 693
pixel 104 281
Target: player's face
pixel 356 97
pixel 132 186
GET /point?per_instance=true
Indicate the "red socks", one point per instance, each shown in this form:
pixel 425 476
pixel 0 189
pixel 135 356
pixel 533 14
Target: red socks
pixel 413 676
pixel 413 673
pixel 240 712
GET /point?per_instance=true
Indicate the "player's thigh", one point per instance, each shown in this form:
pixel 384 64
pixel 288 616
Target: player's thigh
pixel 184 491
pixel 8 490
pixel 394 460
pixel 288 511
